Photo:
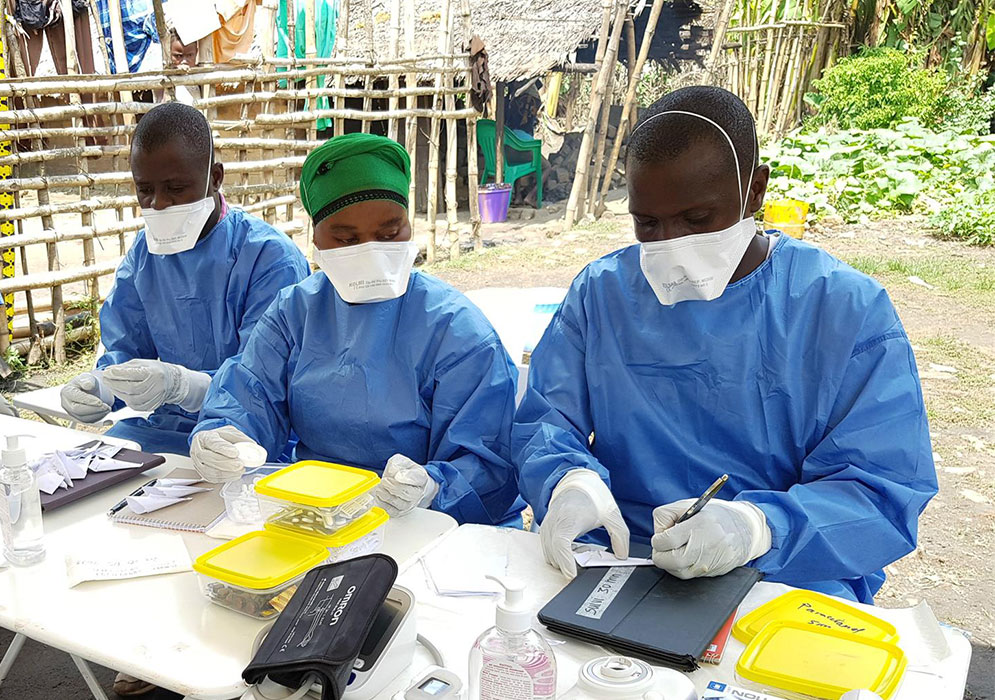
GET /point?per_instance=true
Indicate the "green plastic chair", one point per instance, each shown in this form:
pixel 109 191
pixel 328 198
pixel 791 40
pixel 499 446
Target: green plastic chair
pixel 515 167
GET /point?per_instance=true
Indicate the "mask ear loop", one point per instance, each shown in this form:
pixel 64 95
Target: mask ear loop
pixel 735 156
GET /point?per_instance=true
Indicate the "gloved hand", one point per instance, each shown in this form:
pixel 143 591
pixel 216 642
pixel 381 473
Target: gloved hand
pixel 145 385
pixel 215 456
pixel 86 398
pixel 404 486
pixel 720 537
pixel 580 503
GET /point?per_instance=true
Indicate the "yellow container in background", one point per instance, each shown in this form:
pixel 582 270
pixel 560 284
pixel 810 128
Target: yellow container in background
pixel 787 216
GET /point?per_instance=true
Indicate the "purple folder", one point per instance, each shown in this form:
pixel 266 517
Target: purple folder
pixel 98 481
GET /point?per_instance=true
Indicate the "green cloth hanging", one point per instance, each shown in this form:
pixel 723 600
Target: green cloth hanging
pixel 326 14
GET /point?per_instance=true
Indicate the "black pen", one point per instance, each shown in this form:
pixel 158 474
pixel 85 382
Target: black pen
pixel 124 501
pixel 705 498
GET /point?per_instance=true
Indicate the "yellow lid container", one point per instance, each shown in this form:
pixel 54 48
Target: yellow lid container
pixel 355 530
pixel 818 611
pixel 820 663
pixel 260 560
pixel 318 484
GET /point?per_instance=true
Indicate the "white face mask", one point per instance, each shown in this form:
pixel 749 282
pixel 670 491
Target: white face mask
pixel 368 272
pixel 698 266
pixel 176 229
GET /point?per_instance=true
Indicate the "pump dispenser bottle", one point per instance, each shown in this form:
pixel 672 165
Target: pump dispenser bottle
pixel 511 660
pixel 20 511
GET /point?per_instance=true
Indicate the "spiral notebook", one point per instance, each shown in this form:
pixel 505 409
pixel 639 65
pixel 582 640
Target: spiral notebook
pixel 199 514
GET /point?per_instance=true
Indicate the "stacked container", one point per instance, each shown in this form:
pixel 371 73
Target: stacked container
pixel 317 512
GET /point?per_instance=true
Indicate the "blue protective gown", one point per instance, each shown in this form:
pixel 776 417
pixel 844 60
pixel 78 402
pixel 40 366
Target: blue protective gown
pixel 424 375
pixel 195 309
pixel 799 382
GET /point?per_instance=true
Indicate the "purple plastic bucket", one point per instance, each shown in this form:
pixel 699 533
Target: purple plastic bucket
pixel 493 201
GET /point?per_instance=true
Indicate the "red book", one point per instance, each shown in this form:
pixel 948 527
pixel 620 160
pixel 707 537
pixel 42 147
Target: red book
pixel 713 654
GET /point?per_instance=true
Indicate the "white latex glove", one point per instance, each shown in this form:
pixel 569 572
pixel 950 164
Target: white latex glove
pixel 580 503
pixel 720 537
pixel 86 398
pixel 145 385
pixel 215 455
pixel 404 486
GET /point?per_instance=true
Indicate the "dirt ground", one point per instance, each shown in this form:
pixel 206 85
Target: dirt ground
pixel 945 294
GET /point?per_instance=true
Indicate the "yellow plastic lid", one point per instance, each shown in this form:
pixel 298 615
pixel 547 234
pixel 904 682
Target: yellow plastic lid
pixel 340 538
pixel 260 560
pixel 817 610
pixel 318 484
pixel 822 663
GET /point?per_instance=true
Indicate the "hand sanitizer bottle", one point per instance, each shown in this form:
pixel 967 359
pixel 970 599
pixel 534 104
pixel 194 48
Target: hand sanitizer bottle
pixel 20 511
pixel 511 660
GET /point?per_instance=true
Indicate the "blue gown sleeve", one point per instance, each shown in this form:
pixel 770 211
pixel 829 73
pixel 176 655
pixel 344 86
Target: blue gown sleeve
pixel 124 328
pixel 249 392
pixel 860 491
pixel 262 290
pixel 551 429
pixel 469 449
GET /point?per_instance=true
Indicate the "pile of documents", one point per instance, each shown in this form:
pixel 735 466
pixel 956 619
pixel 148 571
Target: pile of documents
pixel 57 470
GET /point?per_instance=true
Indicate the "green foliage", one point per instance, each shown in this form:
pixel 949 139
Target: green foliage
pixel 953 34
pixel 878 88
pixel 970 108
pixel 971 218
pixel 14 361
pixel 862 175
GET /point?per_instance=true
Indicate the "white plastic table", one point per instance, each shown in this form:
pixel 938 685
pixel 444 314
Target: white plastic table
pixel 160 628
pixel 47 403
pixel 519 317
pixel 453 624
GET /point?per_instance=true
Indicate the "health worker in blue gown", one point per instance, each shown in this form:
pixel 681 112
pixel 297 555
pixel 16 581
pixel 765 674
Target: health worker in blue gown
pixel 188 292
pixel 711 349
pixel 372 364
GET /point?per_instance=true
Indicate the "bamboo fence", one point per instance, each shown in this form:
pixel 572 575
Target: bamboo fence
pixel 772 66
pixel 72 212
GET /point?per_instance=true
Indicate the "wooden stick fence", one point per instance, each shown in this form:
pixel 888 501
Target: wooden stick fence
pixel 70 140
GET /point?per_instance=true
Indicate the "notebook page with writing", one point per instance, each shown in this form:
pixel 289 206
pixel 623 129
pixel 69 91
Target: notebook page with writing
pixel 198 514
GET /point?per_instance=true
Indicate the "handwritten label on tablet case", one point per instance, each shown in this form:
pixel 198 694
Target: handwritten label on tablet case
pixel 604 593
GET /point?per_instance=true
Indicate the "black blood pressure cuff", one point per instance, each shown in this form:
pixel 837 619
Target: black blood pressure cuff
pixel 322 629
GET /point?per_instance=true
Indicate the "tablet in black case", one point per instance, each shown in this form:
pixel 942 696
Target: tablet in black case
pixel 647 613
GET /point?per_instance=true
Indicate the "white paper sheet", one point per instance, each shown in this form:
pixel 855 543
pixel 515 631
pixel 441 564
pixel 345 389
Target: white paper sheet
pixel 172 491
pixel 73 468
pixel 148 504
pixel 150 556
pixel 467 579
pixel 599 558
pixel 110 465
pixel 165 483
pixel 50 482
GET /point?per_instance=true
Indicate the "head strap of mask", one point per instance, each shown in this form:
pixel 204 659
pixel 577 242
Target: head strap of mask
pixel 725 134
pixel 210 165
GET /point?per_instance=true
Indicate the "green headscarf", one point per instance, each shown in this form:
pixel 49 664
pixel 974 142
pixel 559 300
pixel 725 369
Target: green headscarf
pixel 354 168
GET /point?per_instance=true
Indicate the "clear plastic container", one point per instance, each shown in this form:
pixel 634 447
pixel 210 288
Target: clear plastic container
pixel 318 498
pixel 257 574
pixel 363 536
pixel 242 504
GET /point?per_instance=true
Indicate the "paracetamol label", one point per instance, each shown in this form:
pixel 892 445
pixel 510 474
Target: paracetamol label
pixel 604 593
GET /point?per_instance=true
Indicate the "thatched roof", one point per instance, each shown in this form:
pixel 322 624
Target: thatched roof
pixel 524 38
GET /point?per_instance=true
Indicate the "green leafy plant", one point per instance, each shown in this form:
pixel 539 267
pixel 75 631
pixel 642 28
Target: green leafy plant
pixel 875 89
pixel 971 218
pixel 862 175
